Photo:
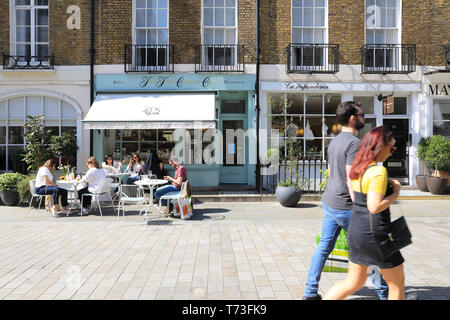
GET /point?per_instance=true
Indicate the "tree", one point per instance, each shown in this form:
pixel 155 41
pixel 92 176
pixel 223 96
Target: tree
pixel 64 145
pixel 37 139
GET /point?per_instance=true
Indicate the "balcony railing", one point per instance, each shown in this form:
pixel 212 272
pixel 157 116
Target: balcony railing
pixel 312 58
pixel 149 58
pixel 28 62
pixel 388 58
pixel 219 58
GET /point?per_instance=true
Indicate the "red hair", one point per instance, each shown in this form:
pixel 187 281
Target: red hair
pixel 369 149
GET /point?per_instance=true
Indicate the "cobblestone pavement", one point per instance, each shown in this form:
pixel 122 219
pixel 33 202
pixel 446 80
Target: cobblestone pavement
pixel 228 251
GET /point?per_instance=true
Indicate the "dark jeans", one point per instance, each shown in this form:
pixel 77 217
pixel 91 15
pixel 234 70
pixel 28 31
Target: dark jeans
pixel 86 200
pixel 55 192
pixel 132 179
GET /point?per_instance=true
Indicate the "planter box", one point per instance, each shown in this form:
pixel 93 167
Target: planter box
pixel 288 196
pixel 9 198
pixel 421 182
pixel 437 185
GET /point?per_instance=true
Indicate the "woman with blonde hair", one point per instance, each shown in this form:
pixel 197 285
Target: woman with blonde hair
pixel 93 179
pixel 45 186
pixel 374 193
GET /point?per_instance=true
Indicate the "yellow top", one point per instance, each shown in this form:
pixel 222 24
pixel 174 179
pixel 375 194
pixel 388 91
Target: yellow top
pixel 375 179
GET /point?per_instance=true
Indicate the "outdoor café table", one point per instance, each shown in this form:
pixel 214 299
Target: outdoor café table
pixel 71 186
pixel 118 175
pixel 151 184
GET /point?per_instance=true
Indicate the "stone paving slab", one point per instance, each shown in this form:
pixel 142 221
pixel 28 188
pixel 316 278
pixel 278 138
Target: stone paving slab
pixel 228 251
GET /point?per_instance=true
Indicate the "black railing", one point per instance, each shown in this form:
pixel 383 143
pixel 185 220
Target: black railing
pixel 388 58
pixel 149 58
pixel 28 62
pixel 312 58
pixel 310 178
pixel 447 56
pixel 219 58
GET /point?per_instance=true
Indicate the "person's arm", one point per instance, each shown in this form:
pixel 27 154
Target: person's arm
pixel 161 166
pixel 349 182
pixel 178 180
pixel 350 154
pixel 377 202
pixel 48 182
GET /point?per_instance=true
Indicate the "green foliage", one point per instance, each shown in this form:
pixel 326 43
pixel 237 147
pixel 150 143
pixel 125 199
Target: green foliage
pixel 437 154
pixel 23 187
pixel 37 139
pixel 63 145
pixel 9 181
pixel 324 182
pixel 422 148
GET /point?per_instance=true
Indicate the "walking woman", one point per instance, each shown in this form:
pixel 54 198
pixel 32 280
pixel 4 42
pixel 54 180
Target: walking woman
pixel 45 186
pixel 374 193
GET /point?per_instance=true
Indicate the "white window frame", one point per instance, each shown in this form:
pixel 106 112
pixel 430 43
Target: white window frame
pixel 397 41
pixel 325 37
pixel 134 37
pixel 204 54
pixel 13 31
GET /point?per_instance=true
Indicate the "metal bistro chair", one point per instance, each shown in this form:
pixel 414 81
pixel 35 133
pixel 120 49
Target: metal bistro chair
pixel 130 194
pixel 32 185
pixel 103 189
pixel 174 196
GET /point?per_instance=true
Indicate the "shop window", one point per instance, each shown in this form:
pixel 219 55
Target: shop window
pixel 13 115
pixel 400 105
pixel 441 117
pixel 308 120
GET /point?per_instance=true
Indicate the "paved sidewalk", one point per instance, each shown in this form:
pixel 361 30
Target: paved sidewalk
pixel 245 250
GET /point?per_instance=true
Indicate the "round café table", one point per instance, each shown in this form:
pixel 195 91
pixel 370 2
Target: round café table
pixel 151 184
pixel 71 186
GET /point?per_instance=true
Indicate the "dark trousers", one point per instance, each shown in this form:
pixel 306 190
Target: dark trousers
pixel 132 179
pixel 55 192
pixel 86 200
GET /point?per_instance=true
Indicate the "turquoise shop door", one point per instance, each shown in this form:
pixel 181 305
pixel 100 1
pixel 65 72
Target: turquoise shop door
pixel 235 158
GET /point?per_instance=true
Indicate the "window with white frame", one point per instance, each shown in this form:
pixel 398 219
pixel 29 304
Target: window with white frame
pixel 31 29
pixel 382 29
pixel 151 33
pixel 219 32
pixel 441 117
pixel 309 26
pixel 59 116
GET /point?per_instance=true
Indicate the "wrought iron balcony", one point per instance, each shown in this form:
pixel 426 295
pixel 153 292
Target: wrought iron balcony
pixel 28 62
pixel 388 58
pixel 219 58
pixel 149 58
pixel 312 58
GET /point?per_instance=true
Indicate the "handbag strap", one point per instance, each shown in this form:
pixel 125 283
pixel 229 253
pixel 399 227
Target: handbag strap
pixel 360 189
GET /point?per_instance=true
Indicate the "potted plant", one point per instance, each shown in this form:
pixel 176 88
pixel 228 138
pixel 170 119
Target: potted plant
pixel 289 192
pixel 37 139
pixel 64 146
pixel 8 188
pixel 421 181
pixel 437 155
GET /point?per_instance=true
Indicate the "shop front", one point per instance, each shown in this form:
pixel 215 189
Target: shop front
pixel 204 120
pixel 310 107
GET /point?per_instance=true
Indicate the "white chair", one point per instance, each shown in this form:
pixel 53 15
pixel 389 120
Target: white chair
pixel 104 189
pixel 130 194
pixel 32 185
pixel 175 195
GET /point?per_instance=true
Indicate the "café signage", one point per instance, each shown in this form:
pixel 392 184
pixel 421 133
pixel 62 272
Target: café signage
pixel 439 89
pixel 304 86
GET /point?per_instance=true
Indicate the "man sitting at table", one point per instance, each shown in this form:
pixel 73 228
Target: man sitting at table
pixel 177 180
pixel 93 179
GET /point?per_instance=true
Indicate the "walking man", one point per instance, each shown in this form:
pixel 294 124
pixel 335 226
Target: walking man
pixel 338 195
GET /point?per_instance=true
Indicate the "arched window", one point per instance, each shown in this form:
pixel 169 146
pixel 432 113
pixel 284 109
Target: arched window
pixel 60 116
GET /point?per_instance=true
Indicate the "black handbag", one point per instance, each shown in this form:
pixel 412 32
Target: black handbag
pixel 394 236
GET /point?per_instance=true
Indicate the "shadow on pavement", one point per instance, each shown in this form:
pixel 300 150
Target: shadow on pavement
pixel 422 292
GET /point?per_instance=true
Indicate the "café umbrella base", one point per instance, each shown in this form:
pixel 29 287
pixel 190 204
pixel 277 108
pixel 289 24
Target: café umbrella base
pixel 337 261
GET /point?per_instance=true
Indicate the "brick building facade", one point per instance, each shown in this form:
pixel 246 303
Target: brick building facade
pixel 286 70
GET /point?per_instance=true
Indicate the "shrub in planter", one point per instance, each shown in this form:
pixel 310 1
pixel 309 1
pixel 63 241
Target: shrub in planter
pixel 421 181
pixel 8 188
pixel 437 155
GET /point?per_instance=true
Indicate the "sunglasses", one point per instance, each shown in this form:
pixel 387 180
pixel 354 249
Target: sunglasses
pixel 393 149
pixel 360 114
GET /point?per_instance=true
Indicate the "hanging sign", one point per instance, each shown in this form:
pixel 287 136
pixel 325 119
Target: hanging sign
pixel 388 105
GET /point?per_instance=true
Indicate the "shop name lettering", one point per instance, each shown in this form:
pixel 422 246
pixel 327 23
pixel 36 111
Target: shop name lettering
pixel 304 86
pixel 439 89
pixel 160 82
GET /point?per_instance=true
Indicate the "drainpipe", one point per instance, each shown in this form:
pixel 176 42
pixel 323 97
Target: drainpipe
pixel 92 58
pixel 258 164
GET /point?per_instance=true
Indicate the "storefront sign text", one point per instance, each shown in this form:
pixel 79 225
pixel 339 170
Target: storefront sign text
pixel 304 86
pixel 439 89
pixel 162 81
pixel 74 20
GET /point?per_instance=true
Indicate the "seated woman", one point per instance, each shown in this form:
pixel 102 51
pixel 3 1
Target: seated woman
pixel 177 180
pixel 93 178
pixel 45 186
pixel 135 167
pixel 110 165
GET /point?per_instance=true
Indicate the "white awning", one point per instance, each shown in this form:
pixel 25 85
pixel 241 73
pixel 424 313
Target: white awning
pixel 151 111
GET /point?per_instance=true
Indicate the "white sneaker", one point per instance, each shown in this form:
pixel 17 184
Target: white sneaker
pixel 85 211
pixel 54 212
